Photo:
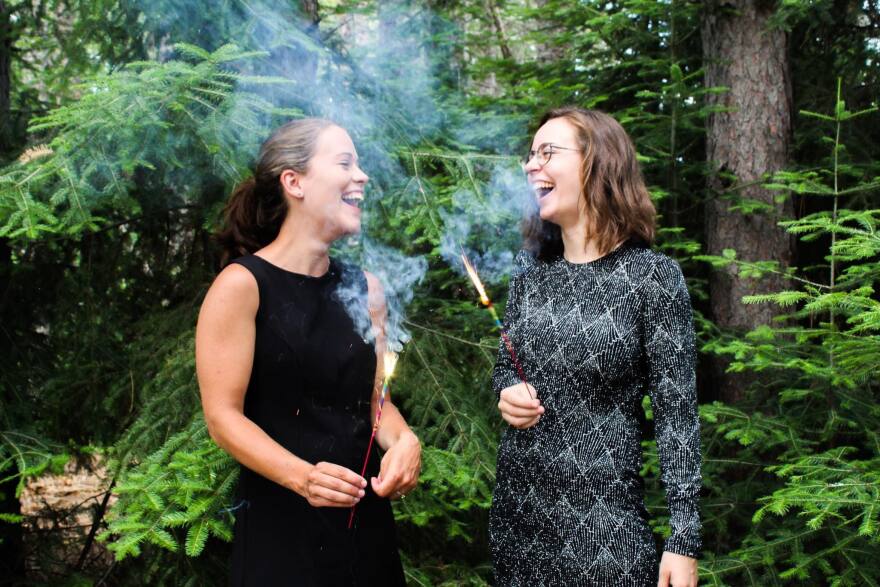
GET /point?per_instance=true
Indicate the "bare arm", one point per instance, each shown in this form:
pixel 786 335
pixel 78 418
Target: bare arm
pixel 401 464
pixel 225 339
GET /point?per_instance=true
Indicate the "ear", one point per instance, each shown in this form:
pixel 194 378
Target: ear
pixel 290 184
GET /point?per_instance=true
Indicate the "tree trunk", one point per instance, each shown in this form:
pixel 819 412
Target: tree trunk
pixel 11 551
pixel 310 10
pixel 5 78
pixel 750 140
pixel 492 8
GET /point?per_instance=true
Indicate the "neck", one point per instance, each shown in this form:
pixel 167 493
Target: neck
pixel 299 248
pixel 575 247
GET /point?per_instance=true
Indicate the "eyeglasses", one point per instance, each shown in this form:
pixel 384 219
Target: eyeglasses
pixel 544 152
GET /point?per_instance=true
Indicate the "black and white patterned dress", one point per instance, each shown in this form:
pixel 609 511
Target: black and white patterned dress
pixel 594 339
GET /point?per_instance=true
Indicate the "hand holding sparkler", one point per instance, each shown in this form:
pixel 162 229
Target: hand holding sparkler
pixel 390 361
pixel 519 407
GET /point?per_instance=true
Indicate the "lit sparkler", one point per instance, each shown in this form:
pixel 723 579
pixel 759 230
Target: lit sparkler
pixel 472 273
pixel 390 361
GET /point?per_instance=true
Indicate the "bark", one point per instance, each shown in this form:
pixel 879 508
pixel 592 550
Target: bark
pixel 310 9
pixel 5 76
pixel 751 139
pixel 499 30
pixel 11 545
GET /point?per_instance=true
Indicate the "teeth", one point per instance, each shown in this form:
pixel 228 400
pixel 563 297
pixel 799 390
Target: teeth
pixel 542 188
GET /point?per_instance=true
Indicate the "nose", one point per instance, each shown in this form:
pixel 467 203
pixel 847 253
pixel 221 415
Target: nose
pixel 359 175
pixel 531 165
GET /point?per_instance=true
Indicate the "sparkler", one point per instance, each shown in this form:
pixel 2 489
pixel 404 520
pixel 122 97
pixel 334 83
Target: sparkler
pixel 390 361
pixel 472 273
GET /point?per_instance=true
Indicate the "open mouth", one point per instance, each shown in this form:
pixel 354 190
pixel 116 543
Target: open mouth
pixel 353 199
pixel 542 188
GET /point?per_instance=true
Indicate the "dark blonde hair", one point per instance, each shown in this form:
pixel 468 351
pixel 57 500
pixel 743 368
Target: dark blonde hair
pixel 618 205
pixel 257 208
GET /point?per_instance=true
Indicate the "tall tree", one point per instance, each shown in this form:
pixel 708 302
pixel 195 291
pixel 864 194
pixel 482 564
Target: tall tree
pixel 749 138
pixel 5 74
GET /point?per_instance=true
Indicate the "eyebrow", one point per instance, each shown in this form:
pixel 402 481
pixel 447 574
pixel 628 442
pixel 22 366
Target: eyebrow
pixel 347 155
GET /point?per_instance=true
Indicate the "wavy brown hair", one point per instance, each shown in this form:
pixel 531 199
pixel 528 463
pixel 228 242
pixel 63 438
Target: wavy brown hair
pixel 256 209
pixel 616 201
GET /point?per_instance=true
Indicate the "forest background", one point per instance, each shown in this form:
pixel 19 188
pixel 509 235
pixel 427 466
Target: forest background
pixel 124 124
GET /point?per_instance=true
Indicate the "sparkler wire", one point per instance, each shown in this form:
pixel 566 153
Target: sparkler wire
pixel 484 299
pixel 390 361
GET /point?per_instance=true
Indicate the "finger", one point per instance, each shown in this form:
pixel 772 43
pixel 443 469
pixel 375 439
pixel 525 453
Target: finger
pixel 392 481
pixel 342 473
pixel 380 487
pixel 320 502
pixel 663 580
pixel 527 390
pixel 407 481
pixel 521 424
pixel 529 423
pixel 515 421
pixel 523 421
pixel 412 479
pixel 519 397
pixel 405 488
pixel 333 498
pixel 519 411
pixel 321 479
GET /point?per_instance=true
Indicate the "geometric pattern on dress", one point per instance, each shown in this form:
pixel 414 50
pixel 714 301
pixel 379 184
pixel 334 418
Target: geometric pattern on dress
pixel 594 339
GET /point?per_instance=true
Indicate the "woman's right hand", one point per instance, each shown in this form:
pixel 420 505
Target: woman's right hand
pixel 334 486
pixel 519 406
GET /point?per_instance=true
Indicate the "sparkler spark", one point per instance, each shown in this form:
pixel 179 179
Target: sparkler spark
pixel 390 362
pixel 475 278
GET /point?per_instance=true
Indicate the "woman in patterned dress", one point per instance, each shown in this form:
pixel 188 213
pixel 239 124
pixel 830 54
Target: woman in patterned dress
pixel 599 320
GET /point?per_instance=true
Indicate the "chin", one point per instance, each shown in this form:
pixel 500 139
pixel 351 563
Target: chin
pixel 340 230
pixel 546 213
pixel 350 229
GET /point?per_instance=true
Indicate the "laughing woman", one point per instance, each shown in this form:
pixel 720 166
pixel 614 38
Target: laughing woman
pixel 288 385
pixel 599 320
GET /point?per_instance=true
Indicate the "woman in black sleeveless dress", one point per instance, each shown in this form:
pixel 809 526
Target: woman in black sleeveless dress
pixel 289 386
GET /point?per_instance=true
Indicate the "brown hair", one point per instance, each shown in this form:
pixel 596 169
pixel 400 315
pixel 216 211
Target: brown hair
pixel 257 208
pixel 617 202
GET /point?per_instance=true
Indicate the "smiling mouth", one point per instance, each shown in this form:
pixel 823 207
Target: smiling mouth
pixel 354 199
pixel 542 188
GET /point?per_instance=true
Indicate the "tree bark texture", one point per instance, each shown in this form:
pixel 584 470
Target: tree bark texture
pixel 11 546
pixel 750 139
pixel 310 10
pixel 5 77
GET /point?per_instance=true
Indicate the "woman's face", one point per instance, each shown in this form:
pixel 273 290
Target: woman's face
pixel 557 185
pixel 333 187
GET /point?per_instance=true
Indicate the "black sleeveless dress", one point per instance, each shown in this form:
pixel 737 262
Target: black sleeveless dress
pixel 310 390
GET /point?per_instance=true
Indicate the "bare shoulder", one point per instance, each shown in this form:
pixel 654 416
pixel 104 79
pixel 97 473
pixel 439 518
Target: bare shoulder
pixel 375 292
pixel 234 290
pixel 373 283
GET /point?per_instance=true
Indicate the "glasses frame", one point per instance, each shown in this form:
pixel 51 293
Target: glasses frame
pixel 549 148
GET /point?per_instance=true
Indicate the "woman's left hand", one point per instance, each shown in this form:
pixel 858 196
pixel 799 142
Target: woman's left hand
pixel 399 471
pixel 677 570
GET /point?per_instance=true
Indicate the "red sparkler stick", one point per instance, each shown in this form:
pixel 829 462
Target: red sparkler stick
pixel 390 360
pixel 484 299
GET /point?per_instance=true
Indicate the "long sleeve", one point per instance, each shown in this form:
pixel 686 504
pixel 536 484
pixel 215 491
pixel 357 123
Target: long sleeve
pixel 670 357
pixel 505 373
